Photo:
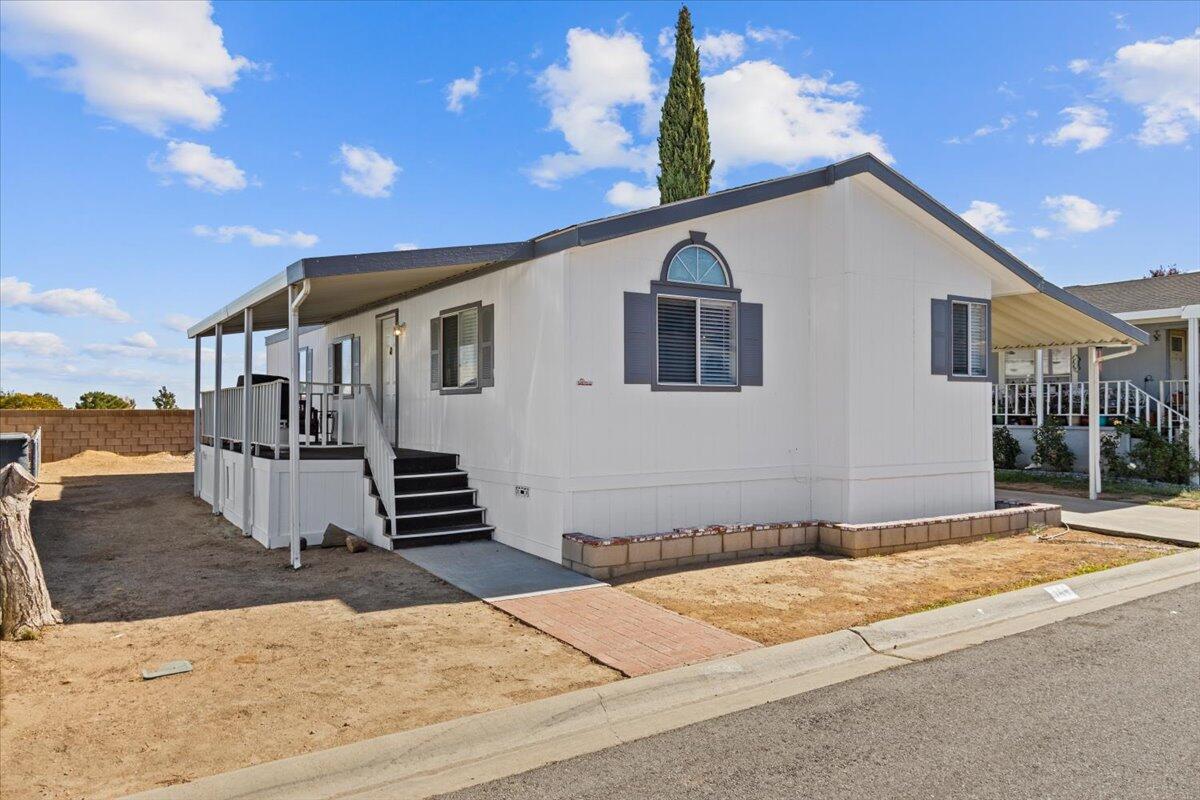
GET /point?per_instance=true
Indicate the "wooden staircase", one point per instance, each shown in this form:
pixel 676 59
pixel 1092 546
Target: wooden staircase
pixel 434 503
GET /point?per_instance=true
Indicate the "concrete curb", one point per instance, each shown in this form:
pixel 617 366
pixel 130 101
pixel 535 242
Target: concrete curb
pixel 1127 533
pixel 943 630
pixel 476 749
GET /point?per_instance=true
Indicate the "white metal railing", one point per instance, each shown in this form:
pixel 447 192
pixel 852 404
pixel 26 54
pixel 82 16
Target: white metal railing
pixel 1069 399
pixel 1174 394
pixel 331 414
pixel 378 449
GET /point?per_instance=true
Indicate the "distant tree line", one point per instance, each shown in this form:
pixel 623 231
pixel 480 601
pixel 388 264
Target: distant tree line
pixel 41 401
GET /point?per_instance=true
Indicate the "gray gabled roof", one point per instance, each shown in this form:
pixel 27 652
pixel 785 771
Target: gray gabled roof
pixel 1142 294
pixel 473 258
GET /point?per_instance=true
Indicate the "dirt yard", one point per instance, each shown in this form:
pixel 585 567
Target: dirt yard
pixel 780 600
pixel 350 647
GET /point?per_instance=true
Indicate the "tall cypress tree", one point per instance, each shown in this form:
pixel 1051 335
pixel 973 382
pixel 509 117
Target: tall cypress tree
pixel 684 153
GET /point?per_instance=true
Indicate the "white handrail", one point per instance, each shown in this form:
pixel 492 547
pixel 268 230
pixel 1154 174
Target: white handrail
pixel 1174 394
pixel 378 448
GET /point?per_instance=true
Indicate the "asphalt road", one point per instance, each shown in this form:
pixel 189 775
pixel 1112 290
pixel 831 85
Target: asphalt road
pixel 1105 705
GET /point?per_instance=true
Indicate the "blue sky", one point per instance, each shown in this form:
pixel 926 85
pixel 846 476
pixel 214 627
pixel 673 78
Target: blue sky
pixel 157 161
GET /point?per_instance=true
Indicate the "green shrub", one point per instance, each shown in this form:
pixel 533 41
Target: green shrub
pixel 1116 464
pixel 1005 448
pixel 1153 457
pixel 97 399
pixel 36 400
pixel 1050 447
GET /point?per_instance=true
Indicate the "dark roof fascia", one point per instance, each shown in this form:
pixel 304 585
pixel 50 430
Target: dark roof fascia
pixel 498 256
pixel 360 263
pixel 909 190
pixel 603 230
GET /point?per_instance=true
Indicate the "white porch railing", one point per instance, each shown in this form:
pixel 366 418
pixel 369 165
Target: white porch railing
pixel 1174 394
pixel 381 458
pixel 1069 399
pixel 266 423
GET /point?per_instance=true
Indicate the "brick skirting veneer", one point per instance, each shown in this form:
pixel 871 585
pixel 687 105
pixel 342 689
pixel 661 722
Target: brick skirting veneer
pixel 70 431
pixel 612 557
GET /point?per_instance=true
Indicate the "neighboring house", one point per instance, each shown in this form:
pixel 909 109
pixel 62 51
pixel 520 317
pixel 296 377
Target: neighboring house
pixel 1150 384
pixel 811 347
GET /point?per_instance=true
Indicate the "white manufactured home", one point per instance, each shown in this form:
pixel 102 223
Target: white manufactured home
pixel 811 347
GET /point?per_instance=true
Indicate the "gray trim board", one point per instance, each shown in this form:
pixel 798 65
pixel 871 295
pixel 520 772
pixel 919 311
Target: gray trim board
pixel 500 255
pixel 281 336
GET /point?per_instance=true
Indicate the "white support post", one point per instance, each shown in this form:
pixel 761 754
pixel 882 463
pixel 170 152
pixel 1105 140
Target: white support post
pixel 217 426
pixel 197 424
pixel 295 298
pixel 1039 375
pixel 1093 422
pixel 1193 384
pixel 247 421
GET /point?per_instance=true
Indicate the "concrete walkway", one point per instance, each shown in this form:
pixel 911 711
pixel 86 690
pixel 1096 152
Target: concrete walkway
pixel 1163 523
pixel 618 630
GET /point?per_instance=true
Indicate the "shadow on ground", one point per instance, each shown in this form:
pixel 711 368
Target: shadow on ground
pixel 140 546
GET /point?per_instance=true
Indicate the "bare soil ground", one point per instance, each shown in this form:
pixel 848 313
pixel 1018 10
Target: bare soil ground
pixel 350 647
pixel 783 599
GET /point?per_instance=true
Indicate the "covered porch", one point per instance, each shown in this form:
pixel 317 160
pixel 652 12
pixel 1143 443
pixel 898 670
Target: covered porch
pixel 288 426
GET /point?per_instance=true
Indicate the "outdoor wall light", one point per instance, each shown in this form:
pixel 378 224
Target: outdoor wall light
pixel 399 328
pixel 1157 335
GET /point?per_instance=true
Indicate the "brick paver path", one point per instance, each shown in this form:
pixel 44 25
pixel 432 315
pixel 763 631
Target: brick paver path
pixel 625 633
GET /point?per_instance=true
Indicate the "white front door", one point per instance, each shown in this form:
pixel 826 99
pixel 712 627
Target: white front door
pixel 1177 347
pixel 387 359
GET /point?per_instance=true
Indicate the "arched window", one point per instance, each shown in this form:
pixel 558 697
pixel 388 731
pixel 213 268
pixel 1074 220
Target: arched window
pixel 699 265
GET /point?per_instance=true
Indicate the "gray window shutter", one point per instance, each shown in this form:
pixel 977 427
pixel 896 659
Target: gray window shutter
pixel 639 321
pixel 939 337
pixel 750 344
pixel 356 360
pixel 435 353
pixel 332 362
pixel 487 347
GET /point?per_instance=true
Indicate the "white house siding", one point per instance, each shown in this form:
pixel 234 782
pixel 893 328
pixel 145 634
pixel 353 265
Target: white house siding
pixel 918 444
pixel 511 434
pixel 850 424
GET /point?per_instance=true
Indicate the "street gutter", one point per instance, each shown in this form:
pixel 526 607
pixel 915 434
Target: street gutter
pixel 484 747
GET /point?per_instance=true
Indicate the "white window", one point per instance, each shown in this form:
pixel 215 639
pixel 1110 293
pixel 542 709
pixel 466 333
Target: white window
pixel 697 341
pixel 460 349
pixel 968 339
pixel 343 366
pixel 699 265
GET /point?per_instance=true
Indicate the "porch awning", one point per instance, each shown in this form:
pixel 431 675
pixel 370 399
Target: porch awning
pixel 344 285
pixel 1056 319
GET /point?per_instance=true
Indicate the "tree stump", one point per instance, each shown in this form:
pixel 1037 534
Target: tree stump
pixel 24 600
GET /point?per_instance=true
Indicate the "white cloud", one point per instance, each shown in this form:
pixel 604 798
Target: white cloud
pixel 200 167
pixel 1088 128
pixel 178 322
pixel 275 238
pixel 405 246
pixel 1040 233
pixel 140 339
pixel 1079 65
pixel 758 113
pixel 1006 122
pixel 718 48
pixel 630 196
pixel 147 64
pixel 1119 20
pixel 462 88
pixel 89 302
pixel 769 35
pixel 166 355
pixel 1161 78
pixel 603 74
pixel 1079 215
pixel 987 217
pixel 367 172
pixel 37 343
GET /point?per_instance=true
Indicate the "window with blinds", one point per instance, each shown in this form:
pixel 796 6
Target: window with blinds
pixel 460 349
pixel 969 340
pixel 696 342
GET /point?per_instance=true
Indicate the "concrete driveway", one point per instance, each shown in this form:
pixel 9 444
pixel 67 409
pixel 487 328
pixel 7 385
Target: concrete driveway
pixel 1175 525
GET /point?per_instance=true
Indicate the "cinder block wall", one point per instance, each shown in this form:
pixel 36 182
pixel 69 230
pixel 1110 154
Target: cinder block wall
pixel 67 432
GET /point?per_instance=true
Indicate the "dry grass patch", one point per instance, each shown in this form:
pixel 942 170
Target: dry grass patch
pixel 350 647
pixel 783 599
